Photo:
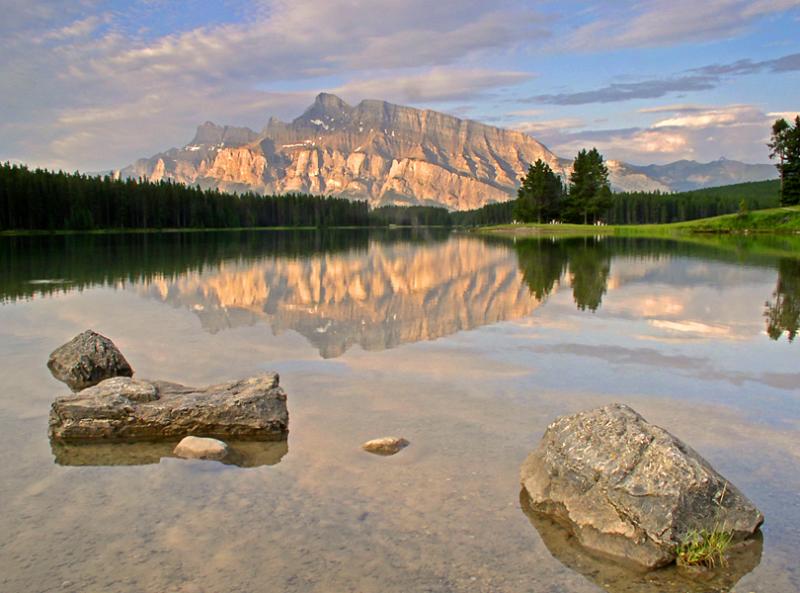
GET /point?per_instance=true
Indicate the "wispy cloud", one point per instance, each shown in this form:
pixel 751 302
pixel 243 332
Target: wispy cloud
pixel 537 127
pixel 94 84
pixel 653 23
pixel 437 84
pixel 616 92
pixel 698 79
pixel 93 88
pixel 695 132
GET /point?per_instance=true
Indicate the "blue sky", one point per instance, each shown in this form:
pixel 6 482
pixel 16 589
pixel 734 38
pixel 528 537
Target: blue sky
pixel 94 85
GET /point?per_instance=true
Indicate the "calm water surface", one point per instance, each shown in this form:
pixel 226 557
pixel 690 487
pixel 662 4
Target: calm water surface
pixel 467 347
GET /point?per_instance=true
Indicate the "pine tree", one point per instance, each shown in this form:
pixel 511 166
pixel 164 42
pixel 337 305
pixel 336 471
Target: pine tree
pixel 589 190
pixel 539 195
pixel 785 145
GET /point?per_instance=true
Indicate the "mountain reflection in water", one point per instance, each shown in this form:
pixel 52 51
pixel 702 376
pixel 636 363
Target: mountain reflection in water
pixel 388 295
pixel 377 289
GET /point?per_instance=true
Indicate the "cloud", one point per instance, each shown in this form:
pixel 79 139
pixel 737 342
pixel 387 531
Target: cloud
pixel 544 126
pixel 695 132
pixel 95 85
pixel 674 108
pixel 788 63
pixel 615 92
pixel 438 84
pixel 698 79
pixel 787 115
pixel 98 89
pixel 731 115
pixel 653 23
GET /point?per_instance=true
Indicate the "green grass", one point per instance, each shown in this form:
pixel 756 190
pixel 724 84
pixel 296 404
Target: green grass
pixel 772 220
pixel 778 220
pixel 704 548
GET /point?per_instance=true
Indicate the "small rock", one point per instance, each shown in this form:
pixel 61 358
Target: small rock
pixel 385 446
pixel 86 360
pixel 201 448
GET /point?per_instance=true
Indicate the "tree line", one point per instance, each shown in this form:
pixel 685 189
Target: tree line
pixel 661 208
pixel 45 200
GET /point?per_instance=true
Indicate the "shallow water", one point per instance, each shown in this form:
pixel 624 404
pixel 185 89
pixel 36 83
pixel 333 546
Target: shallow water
pixel 466 347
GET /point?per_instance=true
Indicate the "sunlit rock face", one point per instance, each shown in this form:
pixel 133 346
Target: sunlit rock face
pixel 389 154
pixel 375 150
pixel 389 295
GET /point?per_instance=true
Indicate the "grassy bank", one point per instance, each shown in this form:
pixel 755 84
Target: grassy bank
pixel 774 220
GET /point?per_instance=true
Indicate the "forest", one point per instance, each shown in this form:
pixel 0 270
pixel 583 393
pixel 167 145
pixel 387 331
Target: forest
pixel 660 208
pixel 45 200
pixel 41 200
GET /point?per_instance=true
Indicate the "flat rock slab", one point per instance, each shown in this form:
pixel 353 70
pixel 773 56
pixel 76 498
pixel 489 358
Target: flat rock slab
pixel 86 360
pixel 630 489
pixel 385 445
pixel 127 409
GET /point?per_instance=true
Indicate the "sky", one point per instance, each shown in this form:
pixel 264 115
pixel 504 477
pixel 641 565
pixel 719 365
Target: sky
pixel 93 85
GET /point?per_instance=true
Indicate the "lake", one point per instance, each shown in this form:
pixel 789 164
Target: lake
pixel 466 346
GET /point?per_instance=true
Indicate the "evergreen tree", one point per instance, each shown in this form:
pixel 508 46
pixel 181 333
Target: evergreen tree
pixel 589 190
pixel 785 145
pixel 539 195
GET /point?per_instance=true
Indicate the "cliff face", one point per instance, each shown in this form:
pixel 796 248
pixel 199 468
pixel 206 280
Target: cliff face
pixel 389 154
pixel 382 152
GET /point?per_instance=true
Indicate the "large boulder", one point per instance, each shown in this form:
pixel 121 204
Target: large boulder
pixel 122 408
pixel 630 489
pixel 87 359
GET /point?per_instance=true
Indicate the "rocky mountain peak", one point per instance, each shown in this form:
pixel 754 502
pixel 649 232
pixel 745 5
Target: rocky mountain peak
pixel 393 154
pixel 210 133
pixel 326 107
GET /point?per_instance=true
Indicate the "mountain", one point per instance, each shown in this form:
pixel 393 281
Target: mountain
pixel 688 175
pixel 385 153
pixel 375 150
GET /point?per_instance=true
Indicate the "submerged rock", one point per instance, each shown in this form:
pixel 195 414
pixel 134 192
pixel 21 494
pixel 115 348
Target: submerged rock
pixel 620 577
pixel 385 445
pixel 87 359
pixel 201 448
pixel 630 489
pixel 128 409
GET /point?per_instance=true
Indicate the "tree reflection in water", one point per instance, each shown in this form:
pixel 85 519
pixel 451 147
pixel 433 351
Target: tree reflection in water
pixel 544 262
pixel 783 314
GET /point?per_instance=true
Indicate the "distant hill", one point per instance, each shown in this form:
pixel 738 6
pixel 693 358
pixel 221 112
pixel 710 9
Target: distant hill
pixel 688 175
pixel 390 154
pixel 650 208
